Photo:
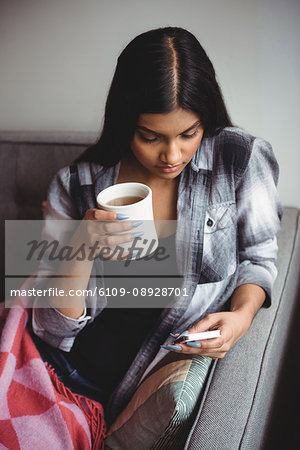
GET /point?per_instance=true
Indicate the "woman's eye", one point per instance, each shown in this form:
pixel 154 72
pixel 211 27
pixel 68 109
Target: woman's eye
pixel 147 140
pixel 155 139
pixel 189 136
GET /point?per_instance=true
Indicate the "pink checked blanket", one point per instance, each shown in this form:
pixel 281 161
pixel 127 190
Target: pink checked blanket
pixel 36 410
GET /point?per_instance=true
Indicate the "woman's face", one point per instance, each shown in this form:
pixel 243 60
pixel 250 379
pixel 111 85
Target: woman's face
pixel 164 144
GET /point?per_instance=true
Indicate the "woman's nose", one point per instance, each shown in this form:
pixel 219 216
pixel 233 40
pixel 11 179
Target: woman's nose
pixel 171 153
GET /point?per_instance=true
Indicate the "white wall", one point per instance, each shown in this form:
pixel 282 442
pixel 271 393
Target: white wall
pixel 57 58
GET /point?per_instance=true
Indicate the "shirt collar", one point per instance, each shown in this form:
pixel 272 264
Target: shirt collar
pixel 203 158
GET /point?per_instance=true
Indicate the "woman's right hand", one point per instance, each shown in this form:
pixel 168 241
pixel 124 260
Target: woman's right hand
pixel 100 230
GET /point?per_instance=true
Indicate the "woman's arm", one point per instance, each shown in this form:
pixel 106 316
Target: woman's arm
pixel 247 299
pixel 97 230
pixel 73 276
pixel 58 320
pixel 258 219
pixel 51 325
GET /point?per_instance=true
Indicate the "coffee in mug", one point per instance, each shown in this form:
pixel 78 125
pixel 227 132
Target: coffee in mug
pixel 122 201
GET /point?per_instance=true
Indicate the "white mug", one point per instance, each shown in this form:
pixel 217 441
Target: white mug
pixel 138 197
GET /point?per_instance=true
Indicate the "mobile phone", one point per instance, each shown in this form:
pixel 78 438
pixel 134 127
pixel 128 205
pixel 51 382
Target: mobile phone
pixel 199 336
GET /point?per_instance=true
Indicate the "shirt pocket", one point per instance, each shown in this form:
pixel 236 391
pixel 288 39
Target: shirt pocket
pixel 219 243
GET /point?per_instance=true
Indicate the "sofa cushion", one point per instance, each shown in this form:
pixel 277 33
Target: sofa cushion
pixel 159 414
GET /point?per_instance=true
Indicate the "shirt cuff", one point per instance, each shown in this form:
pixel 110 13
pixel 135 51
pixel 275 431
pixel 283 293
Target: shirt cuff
pixel 83 318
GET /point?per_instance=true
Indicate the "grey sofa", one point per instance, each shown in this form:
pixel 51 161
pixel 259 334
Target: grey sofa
pixel 251 397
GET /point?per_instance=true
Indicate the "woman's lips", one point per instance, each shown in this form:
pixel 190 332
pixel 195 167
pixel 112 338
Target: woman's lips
pixel 166 169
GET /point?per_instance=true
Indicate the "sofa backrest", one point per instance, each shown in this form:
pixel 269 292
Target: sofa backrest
pixel 28 162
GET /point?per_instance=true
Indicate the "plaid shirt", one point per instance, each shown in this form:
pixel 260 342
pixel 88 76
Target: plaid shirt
pixel 228 195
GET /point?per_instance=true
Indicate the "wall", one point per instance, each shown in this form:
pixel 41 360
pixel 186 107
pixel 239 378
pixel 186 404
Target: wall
pixel 57 59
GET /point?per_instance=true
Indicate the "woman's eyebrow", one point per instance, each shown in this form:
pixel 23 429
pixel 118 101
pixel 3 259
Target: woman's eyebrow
pixel 148 130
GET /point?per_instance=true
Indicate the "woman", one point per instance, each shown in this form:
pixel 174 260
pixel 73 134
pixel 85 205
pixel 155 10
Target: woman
pixel 166 126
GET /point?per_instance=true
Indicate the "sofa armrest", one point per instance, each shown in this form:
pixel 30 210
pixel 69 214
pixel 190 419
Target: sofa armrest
pixel 236 409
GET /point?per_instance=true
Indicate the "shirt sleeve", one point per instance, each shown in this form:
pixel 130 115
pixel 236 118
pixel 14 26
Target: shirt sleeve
pixel 258 214
pixel 48 323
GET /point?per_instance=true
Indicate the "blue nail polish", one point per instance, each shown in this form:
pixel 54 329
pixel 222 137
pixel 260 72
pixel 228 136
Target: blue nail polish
pixel 138 234
pixel 122 216
pixel 173 335
pixel 137 223
pixel 171 347
pixel 184 333
pixel 193 344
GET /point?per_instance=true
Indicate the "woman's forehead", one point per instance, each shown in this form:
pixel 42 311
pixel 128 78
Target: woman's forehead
pixel 173 121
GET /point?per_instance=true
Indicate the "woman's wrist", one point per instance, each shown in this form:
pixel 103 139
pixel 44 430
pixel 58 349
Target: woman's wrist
pixel 247 299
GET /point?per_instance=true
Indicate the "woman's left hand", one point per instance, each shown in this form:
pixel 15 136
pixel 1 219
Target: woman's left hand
pixel 233 325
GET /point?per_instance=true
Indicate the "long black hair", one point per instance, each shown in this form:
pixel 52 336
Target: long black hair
pixel 157 72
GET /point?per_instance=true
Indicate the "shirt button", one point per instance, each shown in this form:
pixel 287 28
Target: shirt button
pixel 209 222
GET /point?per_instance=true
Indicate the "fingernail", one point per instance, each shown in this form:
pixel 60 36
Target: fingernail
pixel 171 347
pixel 122 216
pixel 174 335
pixel 138 234
pixel 193 344
pixel 137 223
pixel 184 333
